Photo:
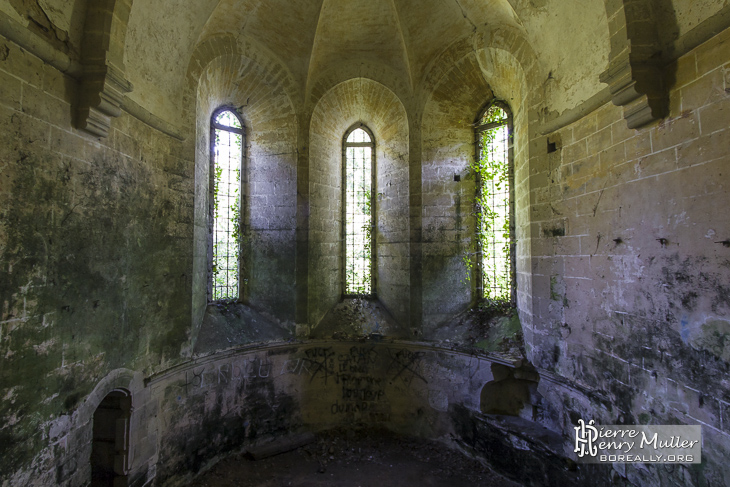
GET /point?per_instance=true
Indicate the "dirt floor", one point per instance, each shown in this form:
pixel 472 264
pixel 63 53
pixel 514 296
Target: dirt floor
pixel 362 459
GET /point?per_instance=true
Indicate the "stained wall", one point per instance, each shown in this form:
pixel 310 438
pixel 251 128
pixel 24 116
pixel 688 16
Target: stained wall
pixel 622 255
pixel 242 399
pixel 94 255
pixel 630 272
pixel 268 178
pixel 359 101
pixel 448 205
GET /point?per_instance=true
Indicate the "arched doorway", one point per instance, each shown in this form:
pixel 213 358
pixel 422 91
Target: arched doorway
pixel 110 441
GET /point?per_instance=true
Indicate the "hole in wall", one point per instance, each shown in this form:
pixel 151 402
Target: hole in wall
pixel 554 143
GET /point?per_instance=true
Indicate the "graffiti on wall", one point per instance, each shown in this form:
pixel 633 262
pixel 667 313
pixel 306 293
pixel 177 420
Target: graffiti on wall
pixel 355 377
pixel 242 369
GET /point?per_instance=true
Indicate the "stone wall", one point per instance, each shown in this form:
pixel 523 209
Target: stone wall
pixel 623 263
pixel 268 189
pixel 95 254
pixel 630 272
pixel 448 205
pixel 359 101
pixel 238 400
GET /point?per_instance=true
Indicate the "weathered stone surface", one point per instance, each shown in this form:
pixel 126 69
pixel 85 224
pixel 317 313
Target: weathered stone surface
pixel 622 239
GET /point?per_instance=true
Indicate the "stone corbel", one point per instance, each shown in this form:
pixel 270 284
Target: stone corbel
pixel 637 87
pixel 101 92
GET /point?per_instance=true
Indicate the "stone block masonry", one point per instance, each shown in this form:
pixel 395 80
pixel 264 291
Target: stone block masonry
pixel 94 249
pixel 644 225
pixel 622 247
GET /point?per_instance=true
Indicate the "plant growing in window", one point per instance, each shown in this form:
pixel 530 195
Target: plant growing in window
pixel 226 164
pixel 493 206
pixel 358 176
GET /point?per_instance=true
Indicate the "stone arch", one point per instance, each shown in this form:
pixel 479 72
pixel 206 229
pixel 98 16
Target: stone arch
pixel 381 73
pixel 441 65
pixel 224 72
pixel 512 42
pixel 125 379
pixel 509 82
pixel 226 45
pixel 447 150
pixel 83 418
pixel 375 105
pixel 497 62
pixel 503 38
pixel 507 61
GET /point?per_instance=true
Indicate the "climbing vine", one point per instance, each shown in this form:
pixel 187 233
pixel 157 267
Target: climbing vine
pixel 367 229
pixel 493 240
pixel 228 150
pixel 357 209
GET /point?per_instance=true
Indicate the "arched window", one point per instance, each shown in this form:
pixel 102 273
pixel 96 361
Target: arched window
pixel 495 204
pixel 227 144
pixel 358 176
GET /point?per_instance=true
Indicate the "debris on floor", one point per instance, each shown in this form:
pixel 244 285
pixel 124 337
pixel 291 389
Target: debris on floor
pixel 356 458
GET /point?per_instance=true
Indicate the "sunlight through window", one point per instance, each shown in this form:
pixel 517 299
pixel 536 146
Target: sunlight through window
pixel 494 205
pixel 227 159
pixel 358 209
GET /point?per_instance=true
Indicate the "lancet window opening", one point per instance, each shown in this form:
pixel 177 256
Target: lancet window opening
pixel 495 204
pixel 358 203
pixel 227 160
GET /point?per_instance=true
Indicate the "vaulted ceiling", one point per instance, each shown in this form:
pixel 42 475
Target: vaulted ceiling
pixel 396 39
pixel 401 40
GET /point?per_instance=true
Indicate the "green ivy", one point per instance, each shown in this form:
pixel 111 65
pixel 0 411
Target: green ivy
pixel 229 250
pixel 367 250
pixel 495 170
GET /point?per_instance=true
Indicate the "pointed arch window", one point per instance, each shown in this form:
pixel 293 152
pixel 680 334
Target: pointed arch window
pixel 358 153
pixel 495 204
pixel 227 159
